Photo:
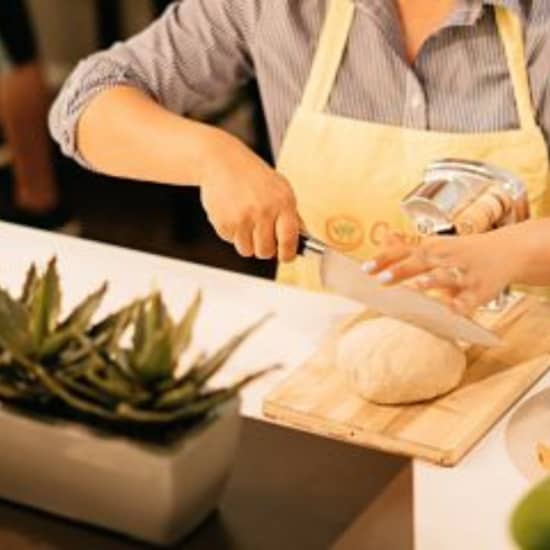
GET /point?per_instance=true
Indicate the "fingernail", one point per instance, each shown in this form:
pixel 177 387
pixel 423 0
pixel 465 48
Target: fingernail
pixel 423 281
pixel 385 277
pixel 369 266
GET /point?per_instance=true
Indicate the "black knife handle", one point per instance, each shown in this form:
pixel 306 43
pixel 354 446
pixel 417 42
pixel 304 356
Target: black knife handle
pixel 302 246
pixel 450 231
pixel 307 243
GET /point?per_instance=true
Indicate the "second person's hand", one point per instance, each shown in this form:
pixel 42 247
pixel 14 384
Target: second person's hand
pixel 471 270
pixel 248 203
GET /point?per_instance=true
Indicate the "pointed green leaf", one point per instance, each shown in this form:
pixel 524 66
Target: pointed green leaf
pixel 202 373
pixel 108 331
pixel 82 314
pixel 177 397
pixel 183 331
pixel 14 325
pixel 153 363
pixel 46 304
pixel 84 390
pixel 140 327
pixel 115 385
pixel 150 317
pixel 29 287
pixel 75 324
pixel 195 409
pixel 54 343
pixel 55 388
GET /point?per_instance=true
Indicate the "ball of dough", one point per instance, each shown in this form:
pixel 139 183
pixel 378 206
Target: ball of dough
pixel 391 362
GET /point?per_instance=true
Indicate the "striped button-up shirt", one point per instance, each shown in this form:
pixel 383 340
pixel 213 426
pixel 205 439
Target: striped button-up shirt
pixel 202 50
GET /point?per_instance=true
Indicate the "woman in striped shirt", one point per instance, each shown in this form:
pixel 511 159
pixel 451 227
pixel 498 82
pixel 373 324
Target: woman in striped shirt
pixel 359 96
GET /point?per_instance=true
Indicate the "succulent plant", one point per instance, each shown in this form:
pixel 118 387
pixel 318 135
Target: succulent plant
pixel 76 368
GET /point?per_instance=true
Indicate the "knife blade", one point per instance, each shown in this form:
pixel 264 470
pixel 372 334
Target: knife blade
pixel 343 275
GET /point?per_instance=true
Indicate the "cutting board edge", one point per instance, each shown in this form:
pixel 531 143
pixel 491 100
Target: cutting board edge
pixel 447 457
pixel 453 456
pixel 383 444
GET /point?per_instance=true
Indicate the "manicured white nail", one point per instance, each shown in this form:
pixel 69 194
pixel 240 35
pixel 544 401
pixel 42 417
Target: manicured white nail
pixel 369 266
pixel 385 277
pixel 423 281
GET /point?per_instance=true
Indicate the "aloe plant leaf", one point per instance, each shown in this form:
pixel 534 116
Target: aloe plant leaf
pixel 45 306
pixel 58 390
pixel 140 327
pixel 85 390
pixel 14 325
pixel 153 362
pixel 76 323
pixel 202 373
pixel 183 331
pixel 54 343
pixel 171 383
pixel 177 397
pixel 143 325
pixel 9 392
pixel 29 287
pixel 152 317
pixel 116 386
pixel 82 314
pixel 201 405
pixel 110 329
pixel 196 408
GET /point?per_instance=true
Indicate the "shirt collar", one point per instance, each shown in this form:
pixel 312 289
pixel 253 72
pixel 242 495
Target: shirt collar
pixel 467 12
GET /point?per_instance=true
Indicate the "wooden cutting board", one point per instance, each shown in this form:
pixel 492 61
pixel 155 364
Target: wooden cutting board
pixel 316 398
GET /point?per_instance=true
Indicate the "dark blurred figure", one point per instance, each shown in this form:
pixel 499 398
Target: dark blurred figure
pixel 23 115
pixel 109 15
pixel 160 5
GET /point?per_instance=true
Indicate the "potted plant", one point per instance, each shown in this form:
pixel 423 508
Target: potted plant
pixel 98 422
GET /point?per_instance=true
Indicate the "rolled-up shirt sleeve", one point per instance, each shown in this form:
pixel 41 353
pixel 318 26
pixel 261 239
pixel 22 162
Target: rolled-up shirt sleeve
pixel 197 52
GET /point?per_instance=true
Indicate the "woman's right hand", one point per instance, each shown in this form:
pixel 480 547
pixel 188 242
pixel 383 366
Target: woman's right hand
pixel 249 204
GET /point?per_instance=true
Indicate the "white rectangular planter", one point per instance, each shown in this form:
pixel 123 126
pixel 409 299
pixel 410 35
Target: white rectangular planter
pixel 157 494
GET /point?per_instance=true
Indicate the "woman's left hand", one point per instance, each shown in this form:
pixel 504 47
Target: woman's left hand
pixel 472 269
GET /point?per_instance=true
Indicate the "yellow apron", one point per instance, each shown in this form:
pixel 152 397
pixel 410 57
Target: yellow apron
pixel 349 176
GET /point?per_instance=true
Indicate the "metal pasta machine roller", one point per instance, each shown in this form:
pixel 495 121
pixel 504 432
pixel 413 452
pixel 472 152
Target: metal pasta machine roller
pixel 460 197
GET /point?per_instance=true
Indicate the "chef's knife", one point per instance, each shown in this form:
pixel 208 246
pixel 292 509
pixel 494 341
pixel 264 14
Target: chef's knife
pixel 343 275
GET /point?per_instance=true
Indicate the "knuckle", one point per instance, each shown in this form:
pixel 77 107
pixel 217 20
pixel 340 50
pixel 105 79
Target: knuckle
pixel 399 272
pixel 246 215
pixel 268 210
pixel 225 230
pixel 288 200
pixel 288 242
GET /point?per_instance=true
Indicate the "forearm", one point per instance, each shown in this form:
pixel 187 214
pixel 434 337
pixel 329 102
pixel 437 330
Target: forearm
pixel 123 132
pixel 529 246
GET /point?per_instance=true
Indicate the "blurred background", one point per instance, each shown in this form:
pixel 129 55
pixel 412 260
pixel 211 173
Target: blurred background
pixel 40 42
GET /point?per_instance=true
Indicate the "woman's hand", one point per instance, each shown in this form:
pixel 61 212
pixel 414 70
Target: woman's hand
pixel 473 269
pixel 249 204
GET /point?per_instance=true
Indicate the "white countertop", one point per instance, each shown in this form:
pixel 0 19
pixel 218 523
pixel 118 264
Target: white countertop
pixel 467 506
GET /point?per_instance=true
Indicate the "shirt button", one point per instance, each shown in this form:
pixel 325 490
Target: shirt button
pixel 416 101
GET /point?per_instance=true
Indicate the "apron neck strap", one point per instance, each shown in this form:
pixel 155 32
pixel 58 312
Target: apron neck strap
pixel 330 51
pixel 334 37
pixel 511 33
